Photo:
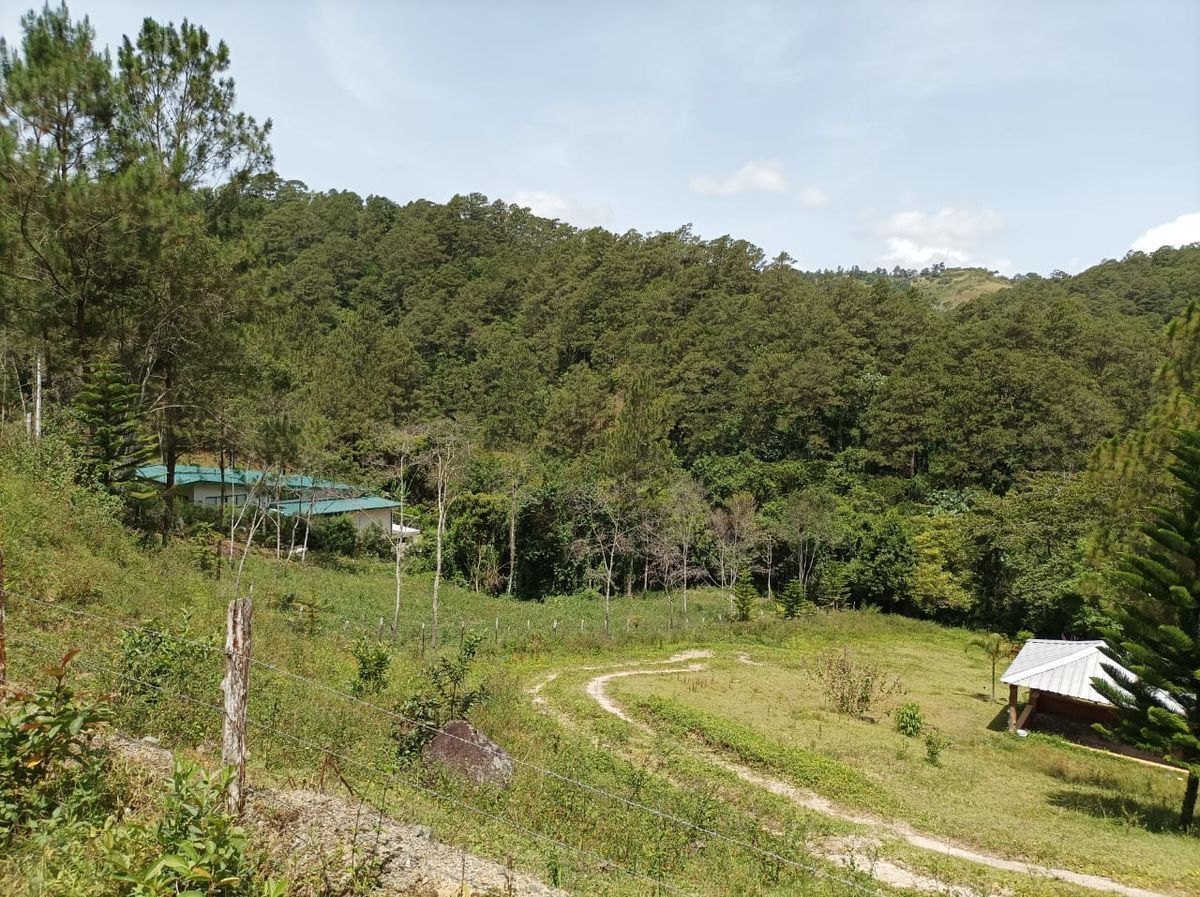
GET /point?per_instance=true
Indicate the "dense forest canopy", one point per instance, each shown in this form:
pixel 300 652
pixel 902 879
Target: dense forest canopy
pixel 622 411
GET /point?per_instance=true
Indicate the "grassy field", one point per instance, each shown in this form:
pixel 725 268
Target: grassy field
pixel 958 286
pixel 1036 799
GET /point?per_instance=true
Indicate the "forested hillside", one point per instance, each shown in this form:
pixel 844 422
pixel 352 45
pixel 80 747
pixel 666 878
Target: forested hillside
pixel 608 411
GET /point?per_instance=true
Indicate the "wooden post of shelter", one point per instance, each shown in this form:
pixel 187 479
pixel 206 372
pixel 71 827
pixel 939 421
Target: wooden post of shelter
pixel 236 689
pixel 1012 708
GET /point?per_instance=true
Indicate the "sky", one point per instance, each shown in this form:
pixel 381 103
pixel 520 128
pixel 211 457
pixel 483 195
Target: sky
pixel 1017 136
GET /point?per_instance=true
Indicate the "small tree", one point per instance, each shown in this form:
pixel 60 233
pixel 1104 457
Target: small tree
pixel 447 696
pixel 115 441
pixel 997 647
pixel 1156 631
pixel 794 599
pixel 744 598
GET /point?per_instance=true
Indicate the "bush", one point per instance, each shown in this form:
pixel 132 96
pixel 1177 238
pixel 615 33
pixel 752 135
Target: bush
pixel 446 697
pixel 196 848
pixel 855 688
pixel 935 743
pixel 48 759
pixel 909 720
pixel 156 667
pixel 372 543
pixel 335 535
pixel 373 661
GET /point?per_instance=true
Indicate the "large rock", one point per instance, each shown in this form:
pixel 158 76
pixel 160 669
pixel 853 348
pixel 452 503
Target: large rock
pixel 469 752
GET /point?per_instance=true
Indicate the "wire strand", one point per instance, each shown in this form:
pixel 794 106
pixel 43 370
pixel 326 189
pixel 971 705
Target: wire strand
pixel 380 773
pixel 766 853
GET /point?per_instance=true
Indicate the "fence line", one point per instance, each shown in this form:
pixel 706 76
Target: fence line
pixel 392 777
pixel 523 761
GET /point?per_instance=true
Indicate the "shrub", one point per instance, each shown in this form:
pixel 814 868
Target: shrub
pixel 447 696
pixel 372 543
pixel 197 847
pixel 156 666
pixel 935 743
pixel 47 753
pixel 373 661
pixel 335 535
pixel 909 720
pixel 744 598
pixel 855 688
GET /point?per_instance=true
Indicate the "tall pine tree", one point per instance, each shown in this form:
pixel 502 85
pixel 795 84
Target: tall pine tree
pixel 1156 632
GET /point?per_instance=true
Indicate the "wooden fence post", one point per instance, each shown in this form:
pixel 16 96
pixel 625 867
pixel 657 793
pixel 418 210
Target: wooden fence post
pixel 422 641
pixel 3 611
pixel 236 688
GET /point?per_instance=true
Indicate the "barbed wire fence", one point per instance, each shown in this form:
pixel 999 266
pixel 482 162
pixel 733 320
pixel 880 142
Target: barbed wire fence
pixel 235 719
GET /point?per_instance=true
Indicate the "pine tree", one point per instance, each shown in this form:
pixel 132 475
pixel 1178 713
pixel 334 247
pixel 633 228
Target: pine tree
pixel 1156 633
pixel 744 598
pixel 114 442
pixel 794 599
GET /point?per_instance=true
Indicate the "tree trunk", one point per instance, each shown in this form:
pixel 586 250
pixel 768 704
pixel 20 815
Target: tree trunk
pixel 37 396
pixel 399 557
pixel 608 576
pixel 512 545
pixel 770 564
pixel 685 580
pixel 437 568
pixel 1188 814
pixel 170 451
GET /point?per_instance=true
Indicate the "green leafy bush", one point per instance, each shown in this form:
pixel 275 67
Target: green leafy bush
pixel 447 696
pixel 49 760
pixel 909 720
pixel 156 667
pixel 196 848
pixel 373 661
pixel 372 543
pixel 935 744
pixel 335 535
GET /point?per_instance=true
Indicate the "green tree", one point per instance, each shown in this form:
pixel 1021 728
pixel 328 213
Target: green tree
pixel 114 440
pixel 881 570
pixel 1156 630
pixel 745 596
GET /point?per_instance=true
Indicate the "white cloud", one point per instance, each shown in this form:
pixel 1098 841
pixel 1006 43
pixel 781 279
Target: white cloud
pixel 760 177
pixel 813 197
pixel 951 235
pixel 1183 230
pixel 554 205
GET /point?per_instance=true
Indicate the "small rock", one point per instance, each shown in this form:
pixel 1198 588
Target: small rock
pixel 150 739
pixel 469 752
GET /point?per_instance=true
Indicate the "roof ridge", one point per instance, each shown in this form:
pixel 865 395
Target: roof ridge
pixel 1084 649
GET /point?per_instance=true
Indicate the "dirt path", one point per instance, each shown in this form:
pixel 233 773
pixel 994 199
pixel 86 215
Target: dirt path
pixel 848 852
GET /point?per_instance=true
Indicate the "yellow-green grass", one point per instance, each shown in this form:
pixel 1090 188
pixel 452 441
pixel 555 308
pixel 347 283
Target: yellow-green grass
pixel 1037 799
pixel 958 286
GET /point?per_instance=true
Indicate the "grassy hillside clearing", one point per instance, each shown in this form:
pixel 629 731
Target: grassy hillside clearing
pixel 959 286
pixel 1039 800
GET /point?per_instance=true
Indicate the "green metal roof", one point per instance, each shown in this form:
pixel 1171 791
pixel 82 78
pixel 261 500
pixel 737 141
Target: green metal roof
pixel 188 474
pixel 333 506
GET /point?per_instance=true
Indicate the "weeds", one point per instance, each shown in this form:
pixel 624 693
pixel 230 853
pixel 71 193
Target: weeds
pixel 854 688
